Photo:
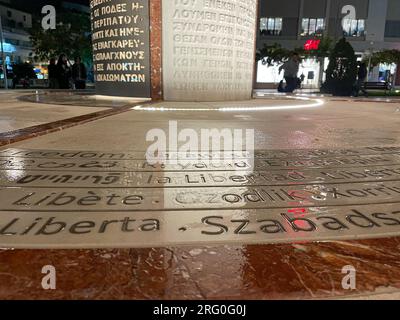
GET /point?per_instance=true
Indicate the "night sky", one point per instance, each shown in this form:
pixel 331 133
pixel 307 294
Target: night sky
pixel 80 1
pixel 85 2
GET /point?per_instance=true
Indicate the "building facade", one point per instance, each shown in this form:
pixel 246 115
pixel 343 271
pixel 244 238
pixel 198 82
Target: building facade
pixel 16 25
pixel 16 40
pixel 369 25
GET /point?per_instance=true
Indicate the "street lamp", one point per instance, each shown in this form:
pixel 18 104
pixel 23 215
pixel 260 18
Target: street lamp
pixel 2 55
pixel 371 51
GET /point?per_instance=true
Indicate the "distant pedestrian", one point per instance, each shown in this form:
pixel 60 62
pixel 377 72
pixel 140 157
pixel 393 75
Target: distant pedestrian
pixel 79 74
pixel 53 77
pixel 15 81
pixel 361 79
pixel 26 83
pixel 302 78
pixel 63 72
pixel 291 68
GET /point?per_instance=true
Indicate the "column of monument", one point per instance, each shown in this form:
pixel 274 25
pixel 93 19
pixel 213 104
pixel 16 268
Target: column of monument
pixel 121 52
pixel 208 49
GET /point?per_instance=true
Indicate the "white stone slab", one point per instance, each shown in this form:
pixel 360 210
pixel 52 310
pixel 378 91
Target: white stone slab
pixel 208 49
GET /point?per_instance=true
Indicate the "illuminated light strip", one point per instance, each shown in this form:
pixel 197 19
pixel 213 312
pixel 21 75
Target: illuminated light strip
pixel 316 104
pixel 115 98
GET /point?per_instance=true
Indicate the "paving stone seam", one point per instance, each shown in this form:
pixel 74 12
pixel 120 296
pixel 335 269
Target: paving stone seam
pixel 7 138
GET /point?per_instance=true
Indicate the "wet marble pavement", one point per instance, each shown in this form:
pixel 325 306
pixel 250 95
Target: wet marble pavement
pixel 321 193
pixel 82 98
pixel 86 199
pixel 290 271
pixel 26 114
pixel 16 114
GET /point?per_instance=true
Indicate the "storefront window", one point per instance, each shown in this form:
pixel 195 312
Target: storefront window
pixel 320 26
pixel 387 72
pixel 354 28
pixel 271 26
pixel 312 27
pixel 310 68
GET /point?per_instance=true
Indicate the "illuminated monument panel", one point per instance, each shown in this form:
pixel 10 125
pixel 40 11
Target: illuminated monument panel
pixel 208 48
pixel 121 47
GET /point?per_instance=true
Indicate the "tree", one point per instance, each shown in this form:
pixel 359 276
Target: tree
pixel 71 37
pixel 384 56
pixel 272 54
pixel 342 70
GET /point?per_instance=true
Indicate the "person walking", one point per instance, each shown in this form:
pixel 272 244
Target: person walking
pixel 63 72
pixel 79 74
pixel 52 71
pixel 291 68
pixel 361 79
pixel 15 81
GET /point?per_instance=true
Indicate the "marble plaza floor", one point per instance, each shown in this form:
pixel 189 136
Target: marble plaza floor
pixel 321 194
pixel 31 113
pixel 17 114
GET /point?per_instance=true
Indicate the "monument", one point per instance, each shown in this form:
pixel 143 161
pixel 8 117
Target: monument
pixel 207 48
pixel 121 47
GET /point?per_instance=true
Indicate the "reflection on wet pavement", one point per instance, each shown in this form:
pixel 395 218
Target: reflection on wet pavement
pixel 86 98
pixel 91 199
pixel 279 225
